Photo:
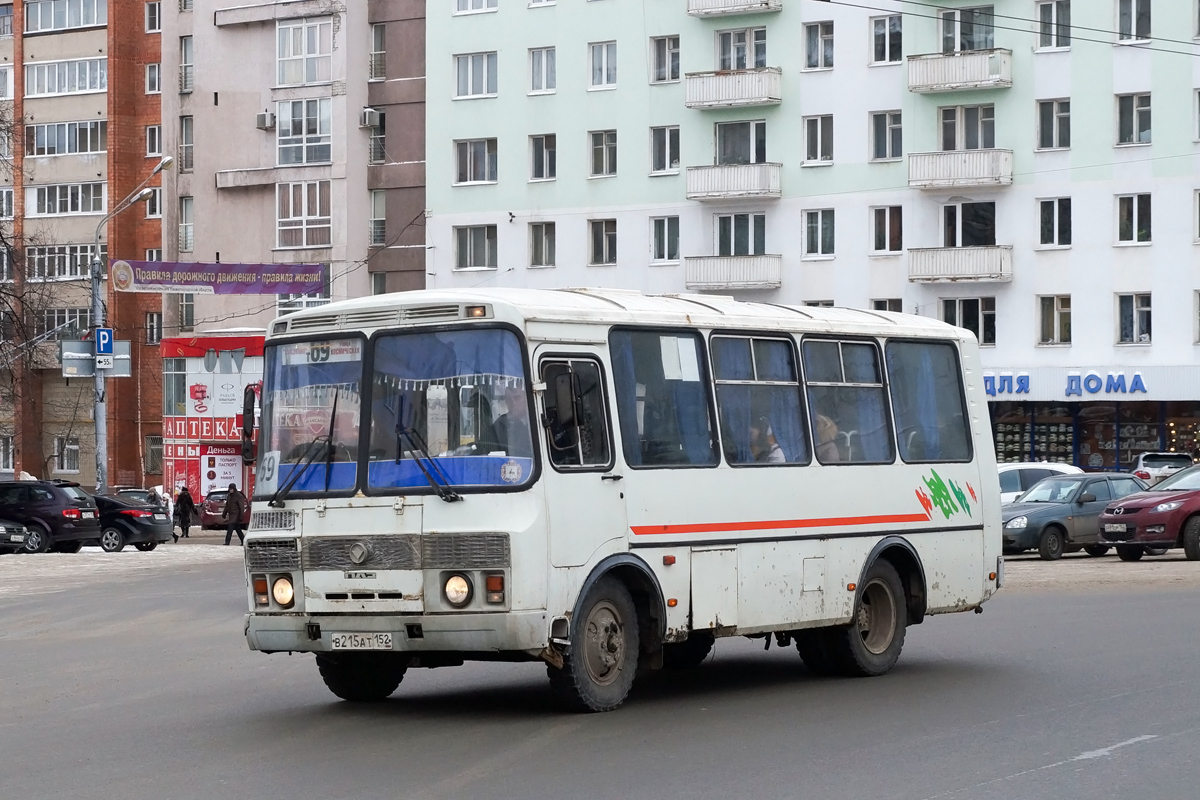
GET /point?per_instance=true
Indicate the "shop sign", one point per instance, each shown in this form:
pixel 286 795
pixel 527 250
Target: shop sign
pixel 1092 383
pixel 1005 384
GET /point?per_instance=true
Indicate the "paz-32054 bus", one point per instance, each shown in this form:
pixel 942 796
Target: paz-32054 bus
pixel 606 481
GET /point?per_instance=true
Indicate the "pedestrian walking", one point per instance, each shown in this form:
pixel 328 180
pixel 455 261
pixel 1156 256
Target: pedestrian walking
pixel 235 506
pixel 185 508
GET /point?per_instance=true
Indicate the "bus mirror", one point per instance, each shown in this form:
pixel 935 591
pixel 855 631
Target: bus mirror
pixel 247 450
pixel 564 400
pixel 248 398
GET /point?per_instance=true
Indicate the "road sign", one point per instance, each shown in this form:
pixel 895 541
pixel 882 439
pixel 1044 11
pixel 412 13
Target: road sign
pixel 104 341
pixel 78 361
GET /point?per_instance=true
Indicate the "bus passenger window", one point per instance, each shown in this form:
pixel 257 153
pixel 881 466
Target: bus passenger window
pixel 662 399
pixel 846 402
pixel 759 402
pixel 584 442
pixel 927 400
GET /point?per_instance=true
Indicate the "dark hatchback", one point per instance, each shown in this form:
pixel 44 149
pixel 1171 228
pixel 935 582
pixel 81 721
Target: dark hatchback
pixel 57 515
pixel 1060 514
pixel 1166 516
pixel 126 521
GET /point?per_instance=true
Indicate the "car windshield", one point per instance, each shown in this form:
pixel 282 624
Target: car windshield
pixel 1186 481
pixel 1173 460
pixel 1050 490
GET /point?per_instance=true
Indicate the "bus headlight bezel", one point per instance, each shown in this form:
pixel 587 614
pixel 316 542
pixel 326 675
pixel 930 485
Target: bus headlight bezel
pixel 283 592
pixel 458 590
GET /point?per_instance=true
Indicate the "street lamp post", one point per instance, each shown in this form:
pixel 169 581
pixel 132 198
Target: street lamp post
pixel 100 401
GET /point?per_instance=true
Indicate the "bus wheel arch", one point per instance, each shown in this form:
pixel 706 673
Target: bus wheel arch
pixel 643 587
pixel 900 553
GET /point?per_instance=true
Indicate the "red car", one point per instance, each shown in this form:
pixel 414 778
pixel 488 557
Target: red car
pixel 214 506
pixel 1165 516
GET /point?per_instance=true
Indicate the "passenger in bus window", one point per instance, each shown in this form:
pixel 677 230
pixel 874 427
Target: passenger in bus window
pixel 763 442
pixel 827 432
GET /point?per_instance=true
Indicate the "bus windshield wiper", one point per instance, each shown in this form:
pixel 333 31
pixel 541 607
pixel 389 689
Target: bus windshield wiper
pixel 310 455
pixel 329 439
pixel 437 479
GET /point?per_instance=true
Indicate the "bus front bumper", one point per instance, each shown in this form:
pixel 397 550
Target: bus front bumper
pixel 488 633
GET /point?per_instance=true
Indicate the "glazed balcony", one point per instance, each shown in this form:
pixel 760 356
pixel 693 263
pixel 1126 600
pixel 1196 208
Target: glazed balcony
pixel 734 88
pixel 733 181
pixel 951 169
pixel 989 264
pixel 723 8
pixel 731 273
pixel 952 72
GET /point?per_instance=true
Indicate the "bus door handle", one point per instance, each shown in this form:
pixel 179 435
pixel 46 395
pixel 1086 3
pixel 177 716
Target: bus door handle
pixel 613 478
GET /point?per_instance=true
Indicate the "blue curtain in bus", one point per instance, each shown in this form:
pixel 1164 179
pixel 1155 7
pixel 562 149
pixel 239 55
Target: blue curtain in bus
pixel 691 416
pixel 736 419
pixel 873 440
pixel 927 408
pixel 625 378
pixel 434 356
pixel 786 415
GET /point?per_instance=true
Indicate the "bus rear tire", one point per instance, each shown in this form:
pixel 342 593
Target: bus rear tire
pixel 689 654
pixel 871 644
pixel 599 668
pixel 812 646
pixel 360 677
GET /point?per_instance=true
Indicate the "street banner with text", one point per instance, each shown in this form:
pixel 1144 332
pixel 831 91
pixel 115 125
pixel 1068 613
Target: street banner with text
pixel 199 278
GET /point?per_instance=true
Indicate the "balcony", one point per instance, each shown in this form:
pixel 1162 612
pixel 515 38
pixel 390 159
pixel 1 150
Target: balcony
pixel 377 69
pixel 952 264
pixel 960 168
pixel 721 8
pixel 733 181
pixel 186 78
pixel 950 72
pixel 187 239
pixel 726 273
pixel 734 88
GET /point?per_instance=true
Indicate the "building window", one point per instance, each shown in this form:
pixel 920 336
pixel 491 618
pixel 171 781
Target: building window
pixel 153 254
pixel 66 77
pixel 175 386
pixel 154 17
pixel 894 304
pixel 187 69
pixel 1133 319
pixel 62 323
pixel 741 142
pixel 6 203
pixel 818 139
pixel 376 151
pixel 969 225
pixel 154 455
pixel 468 6
pixel 818 233
pixel 666 59
pixel 61 262
pixel 378 283
pixel 66 454
pixel 887 136
pixel 187 238
pixel 154 327
pixel 976 314
pixel 542 72
pixel 541 244
pixel 604 153
pixel 60 138
pixel 1054 24
pixel 968 128
pixel 968 29
pixel 664 234
pixel 6 19
pixel 664 149
pixel 153 140
pixel 1133 20
pixel 1054 124
pixel 475 74
pixel 1133 119
pixel 63 199
pixel 153 79
pixel 604 241
pixel 304 51
pixel 377 64
pixel 6 453
pixel 741 234
pixel 475 247
pixel 305 131
pixel 378 221
pixel 887 39
pixel 603 57
pixel 304 214
pixel 1133 218
pixel 544 155
pixel 742 49
pixel 1056 222
pixel 818 40
pixel 287 303
pixel 187 312
pixel 1056 320
pixel 6 81
pixel 818 303
pixel 186 5
pixel 186 143
pixel 58 15
pixel 888 225
pixel 476 161
pixel 154 204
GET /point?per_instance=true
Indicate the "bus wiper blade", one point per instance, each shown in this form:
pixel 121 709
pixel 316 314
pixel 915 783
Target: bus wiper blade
pixel 440 483
pixel 310 455
pixel 329 451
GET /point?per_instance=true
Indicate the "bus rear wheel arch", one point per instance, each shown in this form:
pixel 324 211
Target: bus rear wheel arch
pixel 601 662
pixel 871 643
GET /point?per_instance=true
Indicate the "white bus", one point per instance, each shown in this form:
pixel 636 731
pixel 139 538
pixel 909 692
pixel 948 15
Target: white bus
pixel 607 481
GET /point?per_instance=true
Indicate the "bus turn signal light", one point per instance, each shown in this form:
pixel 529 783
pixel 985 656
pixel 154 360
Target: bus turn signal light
pixel 476 311
pixel 260 590
pixel 991 576
pixel 850 587
pixel 495 589
pixel 672 602
pixel 668 560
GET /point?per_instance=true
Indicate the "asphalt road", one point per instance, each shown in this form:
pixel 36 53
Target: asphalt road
pixel 139 685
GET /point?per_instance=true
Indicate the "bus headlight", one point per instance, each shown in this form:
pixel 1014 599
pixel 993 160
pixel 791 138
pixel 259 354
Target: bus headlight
pixel 1017 522
pixel 283 592
pixel 457 590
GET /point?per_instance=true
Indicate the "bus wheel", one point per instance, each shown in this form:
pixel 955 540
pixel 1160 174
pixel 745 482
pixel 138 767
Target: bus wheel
pixel 814 652
pixel 360 677
pixel 599 668
pixel 871 644
pixel 1127 552
pixel 689 654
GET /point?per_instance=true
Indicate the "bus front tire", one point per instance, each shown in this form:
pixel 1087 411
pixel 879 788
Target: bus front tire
pixel 360 677
pixel 599 668
pixel 689 654
pixel 871 644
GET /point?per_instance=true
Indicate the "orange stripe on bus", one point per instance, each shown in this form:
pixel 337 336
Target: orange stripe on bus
pixel 777 524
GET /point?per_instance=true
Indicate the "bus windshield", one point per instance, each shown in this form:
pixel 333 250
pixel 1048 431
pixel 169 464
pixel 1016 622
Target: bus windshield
pixel 452 403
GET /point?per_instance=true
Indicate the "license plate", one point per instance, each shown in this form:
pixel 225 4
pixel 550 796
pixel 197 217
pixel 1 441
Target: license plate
pixel 361 641
pixel 160 516
pixel 1111 528
pixel 89 515
pixel 16 537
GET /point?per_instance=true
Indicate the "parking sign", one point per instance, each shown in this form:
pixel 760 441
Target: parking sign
pixel 104 348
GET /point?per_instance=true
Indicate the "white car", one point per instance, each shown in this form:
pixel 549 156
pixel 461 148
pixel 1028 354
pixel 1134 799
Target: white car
pixel 1156 467
pixel 1016 478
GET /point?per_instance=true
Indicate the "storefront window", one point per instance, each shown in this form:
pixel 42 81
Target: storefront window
pixel 1053 433
pixel 1183 429
pixel 1098 436
pixel 1139 431
pixel 1010 426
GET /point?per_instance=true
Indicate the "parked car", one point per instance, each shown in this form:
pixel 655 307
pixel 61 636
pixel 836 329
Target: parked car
pixel 1165 516
pixel 1060 514
pixel 56 514
pixel 124 520
pixel 1156 467
pixel 12 536
pixel 143 496
pixel 1018 478
pixel 214 506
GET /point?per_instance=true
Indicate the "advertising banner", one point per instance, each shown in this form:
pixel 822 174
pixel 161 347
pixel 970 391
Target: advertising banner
pixel 220 465
pixel 200 278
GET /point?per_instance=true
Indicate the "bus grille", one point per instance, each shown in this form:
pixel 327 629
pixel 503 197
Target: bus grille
pixel 272 520
pixel 271 555
pixel 465 551
pixel 382 552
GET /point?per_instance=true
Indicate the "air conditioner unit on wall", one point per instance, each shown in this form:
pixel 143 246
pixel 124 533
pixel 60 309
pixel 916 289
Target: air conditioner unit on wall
pixel 265 121
pixel 370 118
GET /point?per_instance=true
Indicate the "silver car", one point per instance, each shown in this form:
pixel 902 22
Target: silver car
pixel 1155 467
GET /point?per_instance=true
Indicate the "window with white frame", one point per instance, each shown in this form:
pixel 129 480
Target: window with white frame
pixel 63 262
pixel 476 161
pixel 153 78
pixel 6 203
pixel 818 139
pixel 1133 119
pixel 894 304
pixel 64 199
pixel 6 453
pixel 1055 325
pixel 887 39
pixel 154 17
pixel 1054 24
pixel 968 127
pixel 1055 222
pixel 666 59
pixel 742 49
pixel 818 303
pixel 6 19
pixel 187 143
pixel 378 221
pixel 1133 219
pixel 305 131
pixel 152 254
pixel 664 149
pixel 78 76
pixel 969 225
pixel 887 226
pixel 887 136
pixel 541 244
pixel 604 153
pixel 378 283
pixel 153 140
pixel 154 203
pixel 304 214
pixel 287 303
pixel 6 81
pixel 603 241
pixel 154 327
pixel 186 311
pixel 61 138
pixel 475 75
pixel 187 236
pixel 818 233
pixel 543 157
pixel 976 314
pixel 1133 319
pixel 475 247
pixel 1054 124
pixel 186 5
pixel 741 234
pixel 602 58
pixel 304 51
pixel 968 29
pixel 377 59
pixel 187 65
pixel 664 239
pixel 818 45
pixel 60 15
pixel 66 454
pixel 542 71
pixel 1133 20
pixel 468 6
pixel 62 323
pixel 742 142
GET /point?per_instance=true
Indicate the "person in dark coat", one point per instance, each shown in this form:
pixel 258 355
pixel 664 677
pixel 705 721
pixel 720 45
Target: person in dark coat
pixel 235 506
pixel 185 508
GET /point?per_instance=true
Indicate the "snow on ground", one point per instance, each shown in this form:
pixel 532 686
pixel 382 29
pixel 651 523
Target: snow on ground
pixel 27 574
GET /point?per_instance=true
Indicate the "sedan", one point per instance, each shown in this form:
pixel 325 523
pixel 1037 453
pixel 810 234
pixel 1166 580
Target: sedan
pixel 124 521
pixel 1060 514
pixel 212 509
pixel 1166 516
pixel 12 536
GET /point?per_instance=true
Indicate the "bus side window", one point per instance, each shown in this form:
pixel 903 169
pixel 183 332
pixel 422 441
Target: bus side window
pixel 847 403
pixel 927 400
pixel 759 402
pixel 577 436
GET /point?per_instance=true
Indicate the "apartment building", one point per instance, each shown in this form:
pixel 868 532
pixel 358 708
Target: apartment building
pixel 993 166
pixel 80 132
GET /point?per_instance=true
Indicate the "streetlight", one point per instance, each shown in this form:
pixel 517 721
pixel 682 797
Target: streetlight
pixel 100 401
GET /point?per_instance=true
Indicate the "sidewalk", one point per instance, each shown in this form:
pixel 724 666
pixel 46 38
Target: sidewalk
pixel 198 536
